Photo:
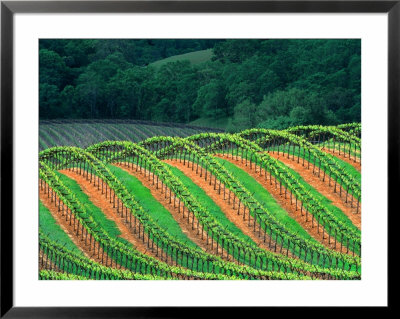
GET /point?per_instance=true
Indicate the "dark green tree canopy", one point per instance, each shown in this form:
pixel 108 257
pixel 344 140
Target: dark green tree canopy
pixel 245 83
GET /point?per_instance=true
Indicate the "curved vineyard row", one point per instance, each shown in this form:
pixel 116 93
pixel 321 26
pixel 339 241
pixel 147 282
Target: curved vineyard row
pixel 286 254
pixel 331 138
pixel 263 218
pixel 147 231
pixel 271 140
pixel 308 256
pixel 348 236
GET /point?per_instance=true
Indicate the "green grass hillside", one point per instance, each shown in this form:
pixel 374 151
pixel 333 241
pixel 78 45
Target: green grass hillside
pixel 195 57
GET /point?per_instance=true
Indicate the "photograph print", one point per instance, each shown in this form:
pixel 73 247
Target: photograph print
pixel 199 159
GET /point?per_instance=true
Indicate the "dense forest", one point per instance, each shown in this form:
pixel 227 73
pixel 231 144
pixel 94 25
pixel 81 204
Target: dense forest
pixel 245 83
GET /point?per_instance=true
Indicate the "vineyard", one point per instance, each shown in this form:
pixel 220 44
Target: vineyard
pixel 83 133
pixel 144 202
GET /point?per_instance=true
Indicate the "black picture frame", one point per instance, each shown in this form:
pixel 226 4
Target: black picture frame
pixel 9 8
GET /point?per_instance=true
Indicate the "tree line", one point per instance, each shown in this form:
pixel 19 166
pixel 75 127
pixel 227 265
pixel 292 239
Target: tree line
pixel 272 83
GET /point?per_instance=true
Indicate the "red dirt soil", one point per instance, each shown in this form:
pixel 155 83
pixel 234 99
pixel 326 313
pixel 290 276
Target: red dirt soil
pixel 322 187
pixel 226 208
pixel 99 200
pixel 175 212
pixel 356 165
pixel 68 229
pixel 285 204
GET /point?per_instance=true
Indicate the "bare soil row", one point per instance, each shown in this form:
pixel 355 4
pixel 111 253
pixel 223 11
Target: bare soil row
pixel 323 188
pixel 244 222
pixel 303 218
pixel 188 223
pixel 110 211
pixel 68 227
